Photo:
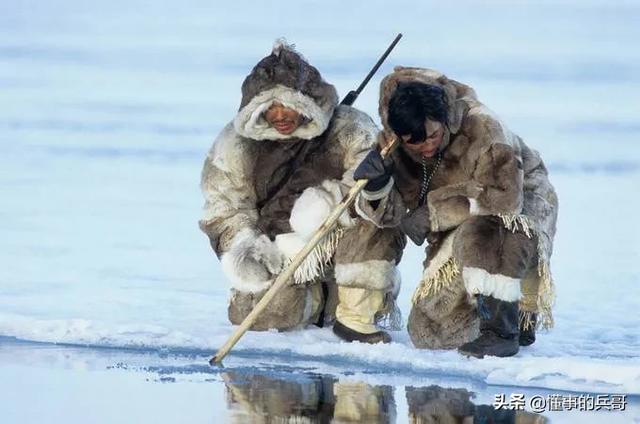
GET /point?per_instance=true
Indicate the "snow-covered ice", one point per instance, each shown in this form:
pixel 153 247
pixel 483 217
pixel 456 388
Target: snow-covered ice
pixel 107 110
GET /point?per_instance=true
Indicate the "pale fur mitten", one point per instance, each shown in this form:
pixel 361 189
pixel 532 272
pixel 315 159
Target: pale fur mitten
pixel 252 261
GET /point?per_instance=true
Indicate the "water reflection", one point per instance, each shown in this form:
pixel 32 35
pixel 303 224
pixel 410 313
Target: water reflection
pixel 309 398
pixel 436 404
pixel 264 399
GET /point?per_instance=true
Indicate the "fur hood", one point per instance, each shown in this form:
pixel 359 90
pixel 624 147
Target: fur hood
pixel 459 96
pixel 287 78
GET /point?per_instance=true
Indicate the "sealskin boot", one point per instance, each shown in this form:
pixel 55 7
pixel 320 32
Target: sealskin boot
pixel 346 333
pixel 499 330
pixel 528 336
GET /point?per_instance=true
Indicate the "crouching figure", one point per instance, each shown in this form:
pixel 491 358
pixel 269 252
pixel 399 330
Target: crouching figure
pixel 271 178
pixel 481 198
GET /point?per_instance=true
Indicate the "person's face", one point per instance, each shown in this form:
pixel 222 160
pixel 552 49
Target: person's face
pixel 283 119
pixel 428 147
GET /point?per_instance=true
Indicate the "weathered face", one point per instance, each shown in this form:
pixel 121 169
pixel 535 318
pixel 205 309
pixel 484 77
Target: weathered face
pixel 285 120
pixel 429 147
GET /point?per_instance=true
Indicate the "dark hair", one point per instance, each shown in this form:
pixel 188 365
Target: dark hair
pixel 410 106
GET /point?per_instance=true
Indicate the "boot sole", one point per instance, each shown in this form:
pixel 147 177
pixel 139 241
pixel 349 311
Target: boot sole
pixel 471 354
pixel 482 355
pixel 349 335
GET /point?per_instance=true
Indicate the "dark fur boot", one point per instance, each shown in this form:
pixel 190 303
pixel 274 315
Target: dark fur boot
pixel 346 333
pixel 499 330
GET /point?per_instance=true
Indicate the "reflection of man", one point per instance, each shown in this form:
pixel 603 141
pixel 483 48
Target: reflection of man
pixel 300 398
pixel 358 402
pixel 482 199
pixel 270 180
pixel 268 398
pixel 435 404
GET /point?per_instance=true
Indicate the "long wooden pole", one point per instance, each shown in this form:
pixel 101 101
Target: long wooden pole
pixel 285 275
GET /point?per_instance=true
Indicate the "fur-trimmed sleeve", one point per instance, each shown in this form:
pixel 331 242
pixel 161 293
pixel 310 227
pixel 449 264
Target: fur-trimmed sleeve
pixel 230 199
pixel 496 183
pixel 384 208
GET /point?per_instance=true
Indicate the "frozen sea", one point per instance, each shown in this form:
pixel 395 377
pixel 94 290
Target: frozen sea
pixel 111 300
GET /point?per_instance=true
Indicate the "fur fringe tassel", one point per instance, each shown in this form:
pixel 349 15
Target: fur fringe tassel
pixel 546 289
pixel 315 263
pixel 390 318
pixel 515 223
pixel 442 278
pixel 526 320
pixel 546 295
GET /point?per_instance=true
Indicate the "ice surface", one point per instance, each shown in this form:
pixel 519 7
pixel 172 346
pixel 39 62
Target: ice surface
pixel 108 108
pixel 103 385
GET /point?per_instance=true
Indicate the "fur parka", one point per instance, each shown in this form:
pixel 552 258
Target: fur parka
pixel 485 171
pixel 262 187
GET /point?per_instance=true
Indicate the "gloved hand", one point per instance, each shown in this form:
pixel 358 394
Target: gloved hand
pixel 416 224
pixel 375 169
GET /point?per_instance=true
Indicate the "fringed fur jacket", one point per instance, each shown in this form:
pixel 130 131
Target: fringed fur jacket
pixel 485 170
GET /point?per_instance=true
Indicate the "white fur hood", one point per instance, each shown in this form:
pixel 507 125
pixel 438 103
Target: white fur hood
pixel 285 77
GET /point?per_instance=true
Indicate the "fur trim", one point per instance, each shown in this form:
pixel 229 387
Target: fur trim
pixel 379 194
pixel 441 271
pixel 250 122
pixel 362 205
pixel 232 264
pixel 479 281
pixel 315 263
pixel 375 274
pixel 442 277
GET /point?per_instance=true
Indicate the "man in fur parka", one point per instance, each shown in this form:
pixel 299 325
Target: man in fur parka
pixel 271 178
pixel 481 198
